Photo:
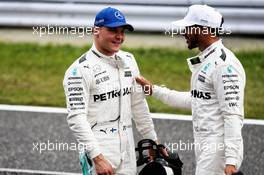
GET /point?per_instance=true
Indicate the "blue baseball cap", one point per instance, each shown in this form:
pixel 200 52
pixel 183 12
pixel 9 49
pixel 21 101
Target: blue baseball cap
pixel 111 17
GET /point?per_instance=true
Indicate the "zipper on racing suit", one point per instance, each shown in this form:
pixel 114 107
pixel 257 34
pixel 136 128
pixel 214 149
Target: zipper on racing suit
pixel 120 123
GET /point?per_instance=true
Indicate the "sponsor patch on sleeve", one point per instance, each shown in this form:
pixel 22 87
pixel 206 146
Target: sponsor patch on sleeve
pixel 201 78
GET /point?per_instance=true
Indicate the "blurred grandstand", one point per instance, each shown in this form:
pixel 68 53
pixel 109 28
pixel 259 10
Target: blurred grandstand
pixel 241 16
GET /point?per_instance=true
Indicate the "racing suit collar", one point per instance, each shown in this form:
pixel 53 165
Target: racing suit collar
pixel 209 50
pixel 101 55
pixel 195 61
pixel 114 60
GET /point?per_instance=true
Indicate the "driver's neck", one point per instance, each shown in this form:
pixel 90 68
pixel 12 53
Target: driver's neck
pixel 206 42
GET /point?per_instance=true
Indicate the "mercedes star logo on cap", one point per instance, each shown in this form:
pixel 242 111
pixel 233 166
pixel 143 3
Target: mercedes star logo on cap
pixel 118 15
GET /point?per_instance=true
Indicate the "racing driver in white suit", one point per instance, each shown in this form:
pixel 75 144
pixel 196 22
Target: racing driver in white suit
pixel 216 96
pixel 102 98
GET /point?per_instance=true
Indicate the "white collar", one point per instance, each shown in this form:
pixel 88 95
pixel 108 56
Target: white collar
pixel 210 49
pixel 101 54
pixel 114 60
pixel 195 61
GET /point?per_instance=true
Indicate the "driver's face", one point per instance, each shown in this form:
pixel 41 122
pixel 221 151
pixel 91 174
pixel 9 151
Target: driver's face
pixel 109 40
pixel 191 34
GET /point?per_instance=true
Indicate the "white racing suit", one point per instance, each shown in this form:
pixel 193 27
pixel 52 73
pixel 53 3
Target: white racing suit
pixel 101 101
pixel 216 99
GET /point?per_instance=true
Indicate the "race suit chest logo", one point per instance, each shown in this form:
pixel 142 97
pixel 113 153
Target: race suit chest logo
pixel 231 87
pixel 201 78
pixel 200 94
pixel 101 80
pixel 206 68
pixel 70 89
pixel 112 94
pixel 128 72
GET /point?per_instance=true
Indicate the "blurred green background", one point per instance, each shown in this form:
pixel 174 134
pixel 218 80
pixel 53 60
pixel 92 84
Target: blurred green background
pixel 32 74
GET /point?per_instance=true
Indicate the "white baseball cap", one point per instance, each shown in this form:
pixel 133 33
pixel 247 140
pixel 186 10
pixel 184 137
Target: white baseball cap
pixel 202 15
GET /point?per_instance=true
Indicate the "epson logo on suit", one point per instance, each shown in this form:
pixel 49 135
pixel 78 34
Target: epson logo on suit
pixel 75 89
